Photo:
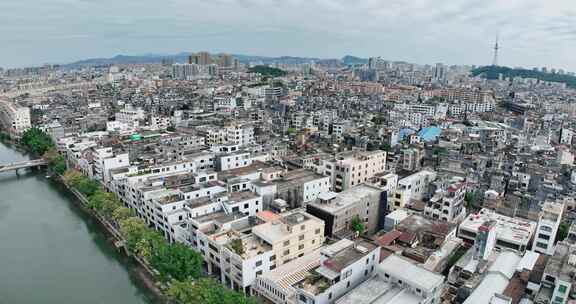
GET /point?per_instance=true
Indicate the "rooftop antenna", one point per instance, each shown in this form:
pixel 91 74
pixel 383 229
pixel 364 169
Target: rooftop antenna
pixel 496 48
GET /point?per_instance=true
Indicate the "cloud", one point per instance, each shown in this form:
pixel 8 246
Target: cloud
pixel 424 31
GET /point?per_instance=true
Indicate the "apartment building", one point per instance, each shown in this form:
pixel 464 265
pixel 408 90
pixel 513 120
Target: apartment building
pixel 511 233
pixel 398 280
pixel 15 119
pixel 412 187
pixel 106 159
pixel 241 248
pixel 338 210
pixel 558 276
pixel 234 160
pixel 300 187
pixel 240 134
pixel 447 204
pixel 277 285
pixel 548 223
pixel 343 266
pixel 350 169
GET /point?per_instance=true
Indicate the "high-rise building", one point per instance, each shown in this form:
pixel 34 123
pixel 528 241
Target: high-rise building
pixel 225 61
pixel 201 58
pixel 184 71
pixel 440 72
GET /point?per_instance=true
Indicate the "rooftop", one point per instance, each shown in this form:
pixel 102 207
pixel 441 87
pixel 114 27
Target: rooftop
pixel 335 202
pixel 507 228
pixel 407 271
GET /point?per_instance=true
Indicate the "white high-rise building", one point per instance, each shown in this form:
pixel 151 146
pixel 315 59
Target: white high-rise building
pixel 547 228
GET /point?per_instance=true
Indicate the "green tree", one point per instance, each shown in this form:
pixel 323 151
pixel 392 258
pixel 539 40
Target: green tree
pixel 357 225
pixel 86 186
pixel 36 141
pixel 563 230
pixel 133 229
pixel 176 261
pixel 267 71
pixel 72 177
pixel 56 162
pixel 205 291
pixel 121 213
pixel 104 202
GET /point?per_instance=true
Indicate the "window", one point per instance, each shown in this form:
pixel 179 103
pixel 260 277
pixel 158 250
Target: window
pixel 300 238
pixel 258 263
pixel 317 231
pixel 562 289
pixel 543 236
pixel 259 272
pixel 348 284
pixel 286 243
pixel 273 258
pixel 287 252
pixel 301 247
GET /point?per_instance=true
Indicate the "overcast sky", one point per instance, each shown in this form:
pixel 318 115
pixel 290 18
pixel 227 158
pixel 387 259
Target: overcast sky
pixel 532 32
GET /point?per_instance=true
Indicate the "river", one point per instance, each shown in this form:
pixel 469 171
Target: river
pixel 51 252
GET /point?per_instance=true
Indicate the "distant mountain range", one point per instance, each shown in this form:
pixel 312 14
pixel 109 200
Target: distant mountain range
pixel 494 72
pixel 183 57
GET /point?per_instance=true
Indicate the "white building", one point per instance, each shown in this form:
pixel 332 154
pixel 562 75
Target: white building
pixel 511 233
pixel 14 118
pixel 398 281
pixel 343 266
pixel 353 168
pixel 550 218
pixel 412 187
pixel 447 204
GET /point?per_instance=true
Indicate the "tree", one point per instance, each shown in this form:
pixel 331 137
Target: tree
pixel 205 291
pixel 86 186
pixel 563 230
pixel 121 213
pixel 357 225
pixel 267 71
pixel 176 261
pixel 104 202
pixel 72 177
pixel 56 162
pixel 133 229
pixel 36 141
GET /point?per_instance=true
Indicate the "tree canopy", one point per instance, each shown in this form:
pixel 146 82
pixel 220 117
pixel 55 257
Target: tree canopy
pixel 267 71
pixel 36 141
pixel 206 291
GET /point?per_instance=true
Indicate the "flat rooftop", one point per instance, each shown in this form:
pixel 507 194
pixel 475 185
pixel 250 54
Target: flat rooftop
pixel 507 228
pixel 297 177
pixel 346 198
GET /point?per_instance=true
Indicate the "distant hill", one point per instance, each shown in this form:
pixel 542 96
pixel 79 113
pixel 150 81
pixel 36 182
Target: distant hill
pixel 353 60
pixel 493 72
pixel 183 57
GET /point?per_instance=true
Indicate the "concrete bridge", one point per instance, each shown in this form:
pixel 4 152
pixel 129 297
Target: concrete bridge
pixel 22 165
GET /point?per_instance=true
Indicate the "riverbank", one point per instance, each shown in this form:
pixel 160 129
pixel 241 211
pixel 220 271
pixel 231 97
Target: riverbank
pixel 53 251
pixel 140 273
pixel 140 268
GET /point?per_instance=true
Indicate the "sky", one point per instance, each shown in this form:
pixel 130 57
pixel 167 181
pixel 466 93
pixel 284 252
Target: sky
pixel 532 32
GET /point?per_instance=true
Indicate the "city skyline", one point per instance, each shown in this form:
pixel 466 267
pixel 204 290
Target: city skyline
pixel 532 34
